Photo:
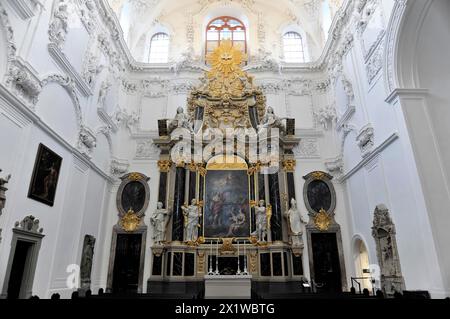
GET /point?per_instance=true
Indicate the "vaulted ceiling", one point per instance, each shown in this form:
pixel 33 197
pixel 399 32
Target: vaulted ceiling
pixel 138 17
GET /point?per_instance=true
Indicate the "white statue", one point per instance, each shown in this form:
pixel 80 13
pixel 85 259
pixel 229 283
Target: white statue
pixel 261 222
pixel 191 215
pixel 102 93
pixel 158 221
pixel 271 120
pixel 181 120
pixel 295 221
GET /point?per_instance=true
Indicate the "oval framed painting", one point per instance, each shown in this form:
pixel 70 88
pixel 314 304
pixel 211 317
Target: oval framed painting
pixel 319 192
pixel 133 193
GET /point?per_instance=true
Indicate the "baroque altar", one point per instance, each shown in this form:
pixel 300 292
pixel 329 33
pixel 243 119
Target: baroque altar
pixel 226 198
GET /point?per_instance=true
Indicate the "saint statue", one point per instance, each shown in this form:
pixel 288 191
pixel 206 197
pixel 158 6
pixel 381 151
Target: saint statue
pixel 261 222
pixel 270 120
pixel 295 221
pixel 191 215
pixel 181 120
pixel 158 221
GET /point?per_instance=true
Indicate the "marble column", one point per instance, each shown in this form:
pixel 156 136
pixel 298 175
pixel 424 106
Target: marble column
pixel 201 173
pixel 274 193
pixel 252 195
pixel 164 168
pixel 289 168
pixel 192 182
pixel 177 216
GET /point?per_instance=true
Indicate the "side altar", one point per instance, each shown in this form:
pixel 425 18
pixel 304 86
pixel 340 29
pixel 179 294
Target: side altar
pixel 227 202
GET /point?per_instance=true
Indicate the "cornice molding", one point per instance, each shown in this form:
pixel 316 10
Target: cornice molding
pixel 406 93
pixel 61 59
pixel 27 117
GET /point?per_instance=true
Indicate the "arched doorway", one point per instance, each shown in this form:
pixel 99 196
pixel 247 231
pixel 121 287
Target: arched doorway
pixel 362 264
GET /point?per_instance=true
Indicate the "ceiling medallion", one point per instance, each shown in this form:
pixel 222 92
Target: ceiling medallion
pixel 322 220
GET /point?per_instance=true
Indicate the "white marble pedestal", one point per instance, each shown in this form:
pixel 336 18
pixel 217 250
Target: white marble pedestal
pixel 228 287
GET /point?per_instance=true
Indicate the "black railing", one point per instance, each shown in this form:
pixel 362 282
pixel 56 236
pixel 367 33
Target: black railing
pixel 357 279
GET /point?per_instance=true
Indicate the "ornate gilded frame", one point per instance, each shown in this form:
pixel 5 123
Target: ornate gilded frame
pixel 238 164
pixel 126 179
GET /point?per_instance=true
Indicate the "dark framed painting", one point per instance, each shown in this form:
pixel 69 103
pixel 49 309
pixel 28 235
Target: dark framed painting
pixel 133 193
pixel 227 212
pixel 45 176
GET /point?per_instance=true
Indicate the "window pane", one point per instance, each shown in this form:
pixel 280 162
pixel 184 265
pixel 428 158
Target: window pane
pixel 212 35
pixel 225 34
pixel 225 28
pixel 239 35
pixel 293 48
pixel 159 48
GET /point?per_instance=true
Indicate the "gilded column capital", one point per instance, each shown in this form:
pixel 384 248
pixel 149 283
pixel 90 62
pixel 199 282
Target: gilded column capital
pixel 164 165
pixel 289 165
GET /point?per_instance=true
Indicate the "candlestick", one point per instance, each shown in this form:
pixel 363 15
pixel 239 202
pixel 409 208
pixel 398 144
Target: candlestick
pixel 217 258
pixel 245 261
pixel 239 261
pixel 210 271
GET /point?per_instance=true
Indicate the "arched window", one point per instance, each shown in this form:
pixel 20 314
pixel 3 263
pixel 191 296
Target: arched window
pixel 293 48
pixel 225 28
pixel 159 48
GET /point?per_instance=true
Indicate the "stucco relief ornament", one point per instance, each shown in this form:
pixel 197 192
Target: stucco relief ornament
pixel 3 189
pixel 103 92
pixel 326 116
pixel 59 26
pixel 92 68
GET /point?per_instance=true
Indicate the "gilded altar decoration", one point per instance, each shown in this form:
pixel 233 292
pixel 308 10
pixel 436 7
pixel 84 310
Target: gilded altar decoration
pixel 192 166
pixel 199 241
pixel 226 59
pixel 227 246
pixel 164 166
pixel 253 262
pixel 322 220
pixel 253 240
pixel 318 175
pixel 130 221
pixel 135 176
pixel 227 96
pixel 269 215
pixel 201 262
pixel 289 165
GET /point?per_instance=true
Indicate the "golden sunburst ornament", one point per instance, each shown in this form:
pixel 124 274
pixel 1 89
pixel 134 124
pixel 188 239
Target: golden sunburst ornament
pixel 226 59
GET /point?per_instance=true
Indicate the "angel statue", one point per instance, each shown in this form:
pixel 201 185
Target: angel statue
pixel 158 221
pixel 295 221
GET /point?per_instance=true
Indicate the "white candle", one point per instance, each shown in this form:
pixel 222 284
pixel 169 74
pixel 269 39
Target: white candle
pixel 238 248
